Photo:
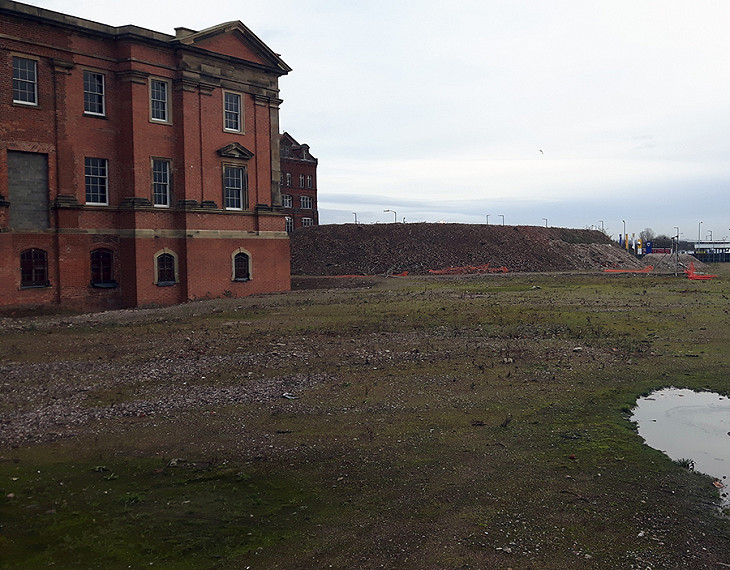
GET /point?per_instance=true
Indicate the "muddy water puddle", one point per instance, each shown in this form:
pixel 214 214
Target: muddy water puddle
pixel 688 425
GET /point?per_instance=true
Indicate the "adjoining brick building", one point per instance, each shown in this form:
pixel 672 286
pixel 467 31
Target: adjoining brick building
pixel 137 167
pixel 298 184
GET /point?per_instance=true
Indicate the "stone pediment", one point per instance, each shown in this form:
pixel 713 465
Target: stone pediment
pixel 235 150
pixel 236 40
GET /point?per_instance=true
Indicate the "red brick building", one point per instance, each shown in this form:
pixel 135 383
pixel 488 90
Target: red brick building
pixel 137 167
pixel 298 184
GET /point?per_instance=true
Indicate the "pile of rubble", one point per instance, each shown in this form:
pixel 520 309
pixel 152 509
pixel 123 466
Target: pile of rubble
pixel 386 249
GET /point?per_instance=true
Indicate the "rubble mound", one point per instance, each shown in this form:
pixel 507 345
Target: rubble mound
pixel 378 249
pixel 669 262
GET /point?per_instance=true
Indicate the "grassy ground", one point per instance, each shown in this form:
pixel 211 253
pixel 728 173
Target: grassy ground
pixel 474 422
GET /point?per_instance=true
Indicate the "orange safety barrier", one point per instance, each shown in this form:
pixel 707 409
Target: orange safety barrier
pixel 692 274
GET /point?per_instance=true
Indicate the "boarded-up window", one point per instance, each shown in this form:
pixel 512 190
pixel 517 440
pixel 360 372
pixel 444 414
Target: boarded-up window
pixel 28 190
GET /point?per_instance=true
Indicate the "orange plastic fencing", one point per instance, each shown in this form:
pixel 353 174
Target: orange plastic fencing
pixel 692 274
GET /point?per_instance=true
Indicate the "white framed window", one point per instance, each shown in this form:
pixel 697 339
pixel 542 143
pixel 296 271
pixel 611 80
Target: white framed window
pixel 159 100
pixel 25 81
pixel 301 181
pixel 288 179
pixel 235 191
pixel 289 223
pixel 305 202
pixel 232 112
pixel 96 180
pixel 161 184
pixel 306 222
pixel 286 201
pixel 309 180
pixel 94 103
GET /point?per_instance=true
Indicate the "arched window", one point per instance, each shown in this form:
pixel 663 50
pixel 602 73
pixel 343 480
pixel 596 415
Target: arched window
pixel 102 268
pixel 165 268
pixel 241 265
pixel 34 268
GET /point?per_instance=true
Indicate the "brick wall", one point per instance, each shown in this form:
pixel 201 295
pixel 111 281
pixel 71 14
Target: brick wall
pixel 58 130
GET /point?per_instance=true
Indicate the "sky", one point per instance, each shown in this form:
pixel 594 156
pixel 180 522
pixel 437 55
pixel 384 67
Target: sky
pixel 572 113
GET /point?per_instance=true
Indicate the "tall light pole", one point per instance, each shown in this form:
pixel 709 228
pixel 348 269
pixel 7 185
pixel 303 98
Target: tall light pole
pixel 487 219
pixel 545 221
pixel 601 222
pixel 624 237
pixel 395 215
pixel 699 232
pixel 677 228
pixel 502 216
pixel 355 214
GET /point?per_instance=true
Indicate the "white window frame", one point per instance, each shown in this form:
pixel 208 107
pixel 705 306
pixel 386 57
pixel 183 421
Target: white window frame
pixel 103 93
pixel 153 82
pixel 103 177
pixel 33 81
pixel 289 224
pixel 301 181
pixel 306 202
pixel 238 115
pixel 228 189
pixel 288 179
pixel 287 201
pixel 309 180
pixel 165 182
pixel 307 222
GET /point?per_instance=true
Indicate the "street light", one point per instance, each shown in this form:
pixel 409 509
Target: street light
pixel 502 216
pixel 699 232
pixel 709 233
pixel 677 246
pixel 395 215
pixel 601 222
pixel 355 214
pixel 487 219
pixel 545 221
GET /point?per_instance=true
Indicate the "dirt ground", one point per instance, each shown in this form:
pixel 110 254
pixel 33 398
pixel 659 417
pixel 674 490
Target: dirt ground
pixel 417 422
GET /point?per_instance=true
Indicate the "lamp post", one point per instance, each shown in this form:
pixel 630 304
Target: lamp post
pixel 502 216
pixel 709 233
pixel 601 222
pixel 355 214
pixel 545 221
pixel 699 232
pixel 395 215
pixel 487 219
pixel 677 228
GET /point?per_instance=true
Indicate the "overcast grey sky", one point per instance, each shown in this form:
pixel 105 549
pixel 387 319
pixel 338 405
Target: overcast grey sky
pixel 583 112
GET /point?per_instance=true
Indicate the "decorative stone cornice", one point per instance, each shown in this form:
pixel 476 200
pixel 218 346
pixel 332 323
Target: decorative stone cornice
pixel 133 76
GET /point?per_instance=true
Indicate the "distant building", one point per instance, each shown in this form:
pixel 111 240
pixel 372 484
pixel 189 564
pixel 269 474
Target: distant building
pixel 137 167
pixel 298 184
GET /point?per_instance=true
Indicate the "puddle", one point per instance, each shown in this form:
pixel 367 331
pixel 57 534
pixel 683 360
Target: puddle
pixel 689 425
